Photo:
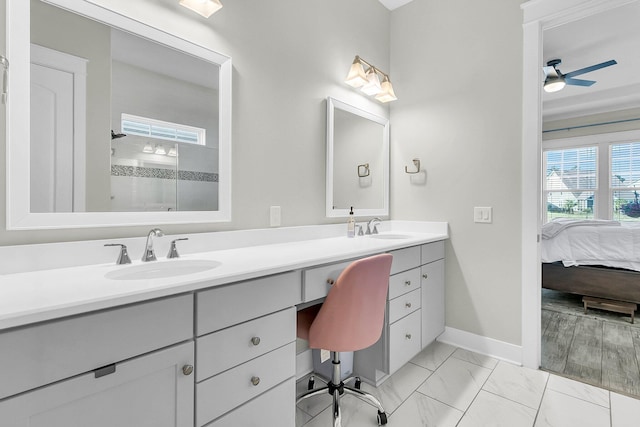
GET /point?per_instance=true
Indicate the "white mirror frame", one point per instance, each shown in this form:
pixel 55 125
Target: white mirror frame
pixel 538 16
pixel 332 104
pixel 19 216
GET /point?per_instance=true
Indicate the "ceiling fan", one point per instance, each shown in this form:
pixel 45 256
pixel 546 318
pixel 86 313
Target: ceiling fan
pixel 555 80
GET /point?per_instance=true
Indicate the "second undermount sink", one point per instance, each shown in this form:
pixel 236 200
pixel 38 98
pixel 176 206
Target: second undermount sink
pixel 162 269
pixel 390 236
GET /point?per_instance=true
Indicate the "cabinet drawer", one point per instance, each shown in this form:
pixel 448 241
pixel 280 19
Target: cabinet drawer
pixel 432 251
pixel 405 259
pixel 276 407
pixel 228 305
pixel 404 282
pixel 403 305
pixel 404 340
pixel 37 355
pixel 230 389
pixel 316 280
pixel 230 347
pixel 147 391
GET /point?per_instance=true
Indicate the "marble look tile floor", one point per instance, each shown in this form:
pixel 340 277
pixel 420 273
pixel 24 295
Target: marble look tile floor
pixel 450 387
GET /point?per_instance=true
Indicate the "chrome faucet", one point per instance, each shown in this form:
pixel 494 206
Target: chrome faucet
pixel 375 221
pixel 149 253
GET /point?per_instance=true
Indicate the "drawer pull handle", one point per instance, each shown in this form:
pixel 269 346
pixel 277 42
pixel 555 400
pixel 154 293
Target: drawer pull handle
pixel 255 380
pixel 187 369
pixel 408 305
pixel 255 340
pixel 407 283
pixel 330 281
pixel 408 336
pixel 425 276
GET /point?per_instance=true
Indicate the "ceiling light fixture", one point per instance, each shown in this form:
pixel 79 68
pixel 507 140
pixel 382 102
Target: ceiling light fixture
pixel 554 84
pixel 205 8
pixel 369 81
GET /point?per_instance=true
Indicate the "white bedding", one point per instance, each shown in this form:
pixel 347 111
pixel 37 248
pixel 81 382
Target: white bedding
pixel 614 245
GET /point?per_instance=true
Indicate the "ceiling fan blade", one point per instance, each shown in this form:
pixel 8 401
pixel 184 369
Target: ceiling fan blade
pixel 578 82
pixel 591 68
pixel 550 71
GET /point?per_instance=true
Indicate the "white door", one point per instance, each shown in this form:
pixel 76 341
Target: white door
pixel 148 391
pixel 51 140
pixel 57 150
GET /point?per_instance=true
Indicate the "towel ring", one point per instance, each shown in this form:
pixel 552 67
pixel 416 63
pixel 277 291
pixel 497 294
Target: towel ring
pixel 416 162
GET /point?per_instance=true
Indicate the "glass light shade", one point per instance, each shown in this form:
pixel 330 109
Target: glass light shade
pixel 160 150
pixel 373 83
pixel 356 76
pixel 148 148
pixel 172 152
pixel 205 8
pixel 387 93
pixel 554 84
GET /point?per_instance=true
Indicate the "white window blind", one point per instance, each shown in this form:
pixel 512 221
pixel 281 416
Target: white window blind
pixel 143 126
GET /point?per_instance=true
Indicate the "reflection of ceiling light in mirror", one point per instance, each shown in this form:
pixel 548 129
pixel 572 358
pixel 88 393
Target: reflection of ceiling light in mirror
pixel 148 148
pixel 160 150
pixel 205 8
pixel 172 152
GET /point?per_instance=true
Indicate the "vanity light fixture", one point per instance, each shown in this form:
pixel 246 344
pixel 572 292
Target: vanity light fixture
pixel 172 152
pixel 148 148
pixel 160 150
pixel 205 8
pixel 369 81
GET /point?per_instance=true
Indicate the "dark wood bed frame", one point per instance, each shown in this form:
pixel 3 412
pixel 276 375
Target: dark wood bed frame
pixel 601 282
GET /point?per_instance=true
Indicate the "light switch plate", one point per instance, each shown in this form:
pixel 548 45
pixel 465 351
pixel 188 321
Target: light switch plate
pixel 483 214
pixel 275 216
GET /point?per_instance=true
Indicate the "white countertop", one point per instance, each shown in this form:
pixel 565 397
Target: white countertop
pixel 37 296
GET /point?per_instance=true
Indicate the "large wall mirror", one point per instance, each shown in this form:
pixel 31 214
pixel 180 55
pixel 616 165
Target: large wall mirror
pixel 112 122
pixel 357 161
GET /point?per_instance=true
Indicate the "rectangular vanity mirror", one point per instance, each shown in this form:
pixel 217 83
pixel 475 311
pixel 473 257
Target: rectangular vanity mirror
pixel 357 161
pixel 112 122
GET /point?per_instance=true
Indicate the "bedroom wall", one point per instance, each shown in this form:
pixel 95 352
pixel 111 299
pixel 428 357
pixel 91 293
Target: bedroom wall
pixel 467 133
pixel 631 118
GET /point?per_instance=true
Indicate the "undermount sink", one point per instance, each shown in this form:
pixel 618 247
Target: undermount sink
pixel 162 269
pixel 390 236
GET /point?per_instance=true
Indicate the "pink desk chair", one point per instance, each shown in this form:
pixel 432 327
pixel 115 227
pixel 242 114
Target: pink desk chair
pixel 350 319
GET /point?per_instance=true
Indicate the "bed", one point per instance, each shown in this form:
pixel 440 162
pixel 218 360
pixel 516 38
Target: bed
pixel 594 258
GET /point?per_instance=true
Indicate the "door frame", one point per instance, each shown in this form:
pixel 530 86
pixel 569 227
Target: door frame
pixel 539 15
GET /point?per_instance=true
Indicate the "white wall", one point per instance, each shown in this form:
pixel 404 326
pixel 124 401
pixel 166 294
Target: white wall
pixel 288 56
pixel 457 72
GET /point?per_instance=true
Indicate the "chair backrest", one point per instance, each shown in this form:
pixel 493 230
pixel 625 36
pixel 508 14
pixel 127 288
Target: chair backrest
pixel 352 315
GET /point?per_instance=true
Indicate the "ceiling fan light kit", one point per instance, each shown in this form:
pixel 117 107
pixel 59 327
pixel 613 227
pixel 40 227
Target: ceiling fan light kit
pixel 555 80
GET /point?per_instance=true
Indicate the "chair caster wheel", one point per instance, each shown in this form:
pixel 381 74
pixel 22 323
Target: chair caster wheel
pixel 311 383
pixel 382 418
pixel 358 383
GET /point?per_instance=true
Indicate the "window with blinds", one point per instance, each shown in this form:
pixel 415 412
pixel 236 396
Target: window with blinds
pixel 625 180
pixel 571 182
pixel 143 126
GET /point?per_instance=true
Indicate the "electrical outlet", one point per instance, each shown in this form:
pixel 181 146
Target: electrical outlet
pixel 483 214
pixel 275 216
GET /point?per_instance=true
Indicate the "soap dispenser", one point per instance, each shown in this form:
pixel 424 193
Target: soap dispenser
pixel 351 225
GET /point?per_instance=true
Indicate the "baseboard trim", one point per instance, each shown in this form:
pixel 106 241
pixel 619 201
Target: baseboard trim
pixel 484 345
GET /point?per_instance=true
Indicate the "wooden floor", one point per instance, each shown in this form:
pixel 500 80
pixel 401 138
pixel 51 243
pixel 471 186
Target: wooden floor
pixel 595 351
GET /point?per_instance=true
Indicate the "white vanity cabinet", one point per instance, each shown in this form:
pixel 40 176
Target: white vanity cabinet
pixel 130 366
pixel 245 352
pixel 433 294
